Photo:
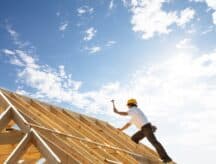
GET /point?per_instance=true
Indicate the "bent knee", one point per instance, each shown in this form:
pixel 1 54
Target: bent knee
pixel 136 140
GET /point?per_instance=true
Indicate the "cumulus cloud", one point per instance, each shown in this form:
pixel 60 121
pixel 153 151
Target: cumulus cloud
pixel 178 93
pixel 196 0
pixel 214 17
pixel 185 16
pixel 89 34
pixel 110 43
pixel 63 26
pixel 208 30
pixel 111 4
pixel 185 43
pixel 18 60
pixel 179 90
pixel 148 17
pixel 93 50
pixel 85 10
pixel 8 52
pixel 212 5
pixel 44 79
pixel 15 37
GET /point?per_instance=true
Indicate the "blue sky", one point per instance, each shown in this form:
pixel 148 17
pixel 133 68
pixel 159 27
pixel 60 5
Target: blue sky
pixel 81 54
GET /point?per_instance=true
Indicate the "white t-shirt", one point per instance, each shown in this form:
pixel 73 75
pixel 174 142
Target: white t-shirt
pixel 138 118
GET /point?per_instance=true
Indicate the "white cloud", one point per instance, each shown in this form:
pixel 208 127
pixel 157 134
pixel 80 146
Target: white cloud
pixel 85 10
pixel 44 79
pixel 89 34
pixel 180 91
pixel 110 43
pixel 21 91
pixel 177 93
pixel 12 32
pixel 8 52
pixel 63 26
pixel 212 5
pixel 94 49
pixel 15 37
pixel 185 43
pixel 149 18
pixel 62 70
pixel 185 16
pixel 208 30
pixel 15 59
pixel 20 58
pixel 111 5
pixel 196 0
pixel 28 60
pixel 214 17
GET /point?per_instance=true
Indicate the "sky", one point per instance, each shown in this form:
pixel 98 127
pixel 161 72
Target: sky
pixel 80 54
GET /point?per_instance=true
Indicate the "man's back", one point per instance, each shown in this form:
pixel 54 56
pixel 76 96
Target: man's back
pixel 138 118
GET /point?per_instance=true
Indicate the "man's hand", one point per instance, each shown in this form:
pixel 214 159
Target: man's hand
pixel 114 108
pixel 125 126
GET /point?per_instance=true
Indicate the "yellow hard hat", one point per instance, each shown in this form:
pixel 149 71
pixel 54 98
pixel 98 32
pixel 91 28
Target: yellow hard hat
pixel 132 101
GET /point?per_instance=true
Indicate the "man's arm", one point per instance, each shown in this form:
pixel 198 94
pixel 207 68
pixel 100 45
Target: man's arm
pixel 125 126
pixel 116 111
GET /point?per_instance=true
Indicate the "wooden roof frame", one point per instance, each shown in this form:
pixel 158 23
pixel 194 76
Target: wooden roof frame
pixel 62 136
pixel 31 135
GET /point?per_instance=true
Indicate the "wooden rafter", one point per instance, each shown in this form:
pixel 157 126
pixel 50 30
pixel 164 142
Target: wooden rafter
pixel 19 150
pixel 44 148
pixel 74 138
pixel 11 137
pixel 32 137
pixel 5 118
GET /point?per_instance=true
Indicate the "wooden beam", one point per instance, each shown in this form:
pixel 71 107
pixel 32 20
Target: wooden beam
pixel 11 137
pixel 3 104
pixel 7 149
pixel 10 124
pixel 83 127
pixel 71 151
pixel 5 118
pixel 62 154
pixel 32 137
pixel 54 122
pixel 6 99
pixel 44 148
pixel 63 126
pixel 19 150
pixel 20 120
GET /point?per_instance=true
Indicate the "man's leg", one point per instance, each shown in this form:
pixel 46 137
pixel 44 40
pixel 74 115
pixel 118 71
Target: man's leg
pixel 138 136
pixel 147 130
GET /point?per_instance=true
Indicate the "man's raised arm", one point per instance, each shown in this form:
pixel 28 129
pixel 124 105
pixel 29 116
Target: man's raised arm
pixel 116 111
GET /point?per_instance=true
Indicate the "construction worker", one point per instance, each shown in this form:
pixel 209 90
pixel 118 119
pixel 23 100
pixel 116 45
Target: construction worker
pixel 139 119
